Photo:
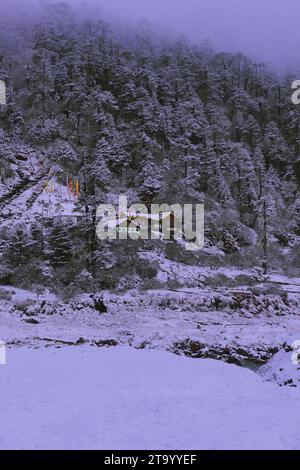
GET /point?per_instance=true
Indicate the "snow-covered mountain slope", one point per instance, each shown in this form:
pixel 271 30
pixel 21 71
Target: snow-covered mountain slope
pixel 40 196
pixel 125 399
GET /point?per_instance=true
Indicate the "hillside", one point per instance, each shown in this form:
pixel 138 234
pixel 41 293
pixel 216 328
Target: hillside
pixel 145 343
pixel 156 120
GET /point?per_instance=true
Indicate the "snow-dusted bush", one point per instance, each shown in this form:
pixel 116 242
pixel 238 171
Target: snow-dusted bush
pixel 5 295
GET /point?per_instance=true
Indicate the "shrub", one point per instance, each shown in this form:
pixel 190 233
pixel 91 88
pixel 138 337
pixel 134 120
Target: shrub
pixel 5 295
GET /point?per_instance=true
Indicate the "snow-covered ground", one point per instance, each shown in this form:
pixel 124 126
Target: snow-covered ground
pixel 62 389
pixel 281 369
pixel 42 196
pixel 121 398
pixel 227 324
pixel 166 320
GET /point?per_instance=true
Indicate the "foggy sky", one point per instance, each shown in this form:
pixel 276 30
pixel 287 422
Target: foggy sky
pixel 266 30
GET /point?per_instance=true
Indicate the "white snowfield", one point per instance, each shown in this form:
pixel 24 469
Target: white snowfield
pixel 121 398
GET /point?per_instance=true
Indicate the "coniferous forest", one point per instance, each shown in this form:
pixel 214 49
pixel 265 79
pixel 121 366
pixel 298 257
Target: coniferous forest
pixel 96 110
pixel 157 119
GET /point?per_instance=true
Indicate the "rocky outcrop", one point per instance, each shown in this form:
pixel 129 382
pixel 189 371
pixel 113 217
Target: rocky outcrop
pixel 253 356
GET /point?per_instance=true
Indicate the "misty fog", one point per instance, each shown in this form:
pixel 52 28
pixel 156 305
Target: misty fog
pixel 266 30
